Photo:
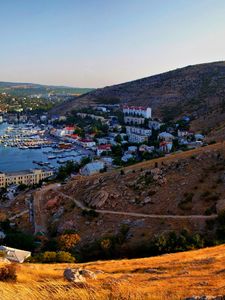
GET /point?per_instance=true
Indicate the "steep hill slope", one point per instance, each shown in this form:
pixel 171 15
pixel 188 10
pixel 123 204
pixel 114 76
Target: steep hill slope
pixel 198 90
pixel 155 197
pixel 170 277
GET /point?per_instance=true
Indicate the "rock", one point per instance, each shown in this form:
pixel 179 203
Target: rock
pixel 73 275
pixel 147 200
pixel 88 274
pixel 78 275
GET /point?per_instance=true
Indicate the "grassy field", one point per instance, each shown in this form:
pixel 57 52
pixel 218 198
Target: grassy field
pixel 172 277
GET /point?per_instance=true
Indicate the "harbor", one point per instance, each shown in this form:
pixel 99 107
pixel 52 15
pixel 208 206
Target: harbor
pixel 25 146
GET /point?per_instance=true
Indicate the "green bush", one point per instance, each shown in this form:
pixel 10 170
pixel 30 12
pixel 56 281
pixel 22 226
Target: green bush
pixel 53 257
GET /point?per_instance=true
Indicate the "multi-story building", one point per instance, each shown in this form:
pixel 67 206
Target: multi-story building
pixel 134 120
pixel 138 130
pixel 137 134
pixel 141 111
pixel 28 177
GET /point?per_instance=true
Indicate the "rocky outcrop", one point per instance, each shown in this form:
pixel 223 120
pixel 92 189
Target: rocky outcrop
pixel 78 275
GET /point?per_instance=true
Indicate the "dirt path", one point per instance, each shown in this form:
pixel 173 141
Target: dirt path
pixel 140 215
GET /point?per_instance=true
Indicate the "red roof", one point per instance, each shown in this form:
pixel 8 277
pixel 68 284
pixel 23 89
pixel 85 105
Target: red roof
pixel 70 128
pixel 73 136
pixel 104 147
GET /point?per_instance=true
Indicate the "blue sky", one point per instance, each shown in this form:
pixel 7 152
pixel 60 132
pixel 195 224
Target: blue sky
pixel 94 43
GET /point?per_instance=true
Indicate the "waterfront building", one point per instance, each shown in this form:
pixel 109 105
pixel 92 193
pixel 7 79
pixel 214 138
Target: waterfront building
pixel 27 177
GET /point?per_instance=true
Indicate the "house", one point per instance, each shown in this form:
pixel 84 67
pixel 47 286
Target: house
pixel 165 147
pixel 132 149
pixel 69 130
pixel 15 255
pixel 87 143
pixel 126 157
pixel 182 133
pixel 107 160
pixel 199 137
pixel 92 168
pixel 103 148
pixel 72 138
pixel 145 148
pixel 165 136
pixel 145 112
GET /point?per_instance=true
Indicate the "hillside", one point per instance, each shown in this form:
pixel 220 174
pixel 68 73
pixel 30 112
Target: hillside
pixel 170 277
pixel 185 184
pixel 197 90
pixel 26 89
pixel 157 197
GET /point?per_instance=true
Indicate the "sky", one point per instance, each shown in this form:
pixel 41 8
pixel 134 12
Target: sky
pixel 95 43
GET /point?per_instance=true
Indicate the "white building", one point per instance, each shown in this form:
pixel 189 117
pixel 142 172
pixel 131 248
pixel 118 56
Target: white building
pixel 28 177
pixel 87 143
pixel 92 168
pixel 134 120
pixel 103 148
pixel 138 130
pixel 15 255
pixel 165 136
pixel 141 111
pixel 137 134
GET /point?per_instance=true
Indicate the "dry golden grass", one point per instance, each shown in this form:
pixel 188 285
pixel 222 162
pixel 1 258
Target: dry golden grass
pixel 172 277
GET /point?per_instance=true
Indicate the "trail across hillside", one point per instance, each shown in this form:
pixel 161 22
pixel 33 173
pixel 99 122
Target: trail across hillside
pixel 141 215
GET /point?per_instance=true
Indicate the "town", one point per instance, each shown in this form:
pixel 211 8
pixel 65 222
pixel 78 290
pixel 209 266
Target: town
pixel 107 136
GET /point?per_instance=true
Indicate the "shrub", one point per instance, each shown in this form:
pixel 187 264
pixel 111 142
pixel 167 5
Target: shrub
pixel 68 241
pixel 8 273
pixel 52 257
pixel 64 257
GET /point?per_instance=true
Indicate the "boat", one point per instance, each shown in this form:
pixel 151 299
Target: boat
pixel 51 157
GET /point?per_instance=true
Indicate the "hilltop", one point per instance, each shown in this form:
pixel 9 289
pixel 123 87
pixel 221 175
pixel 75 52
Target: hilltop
pixel 171 277
pixel 197 90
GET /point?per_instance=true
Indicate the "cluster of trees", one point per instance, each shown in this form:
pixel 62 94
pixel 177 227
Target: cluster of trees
pixel 113 247
pixel 71 167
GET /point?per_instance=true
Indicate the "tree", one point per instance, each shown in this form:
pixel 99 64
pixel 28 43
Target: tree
pixel 118 138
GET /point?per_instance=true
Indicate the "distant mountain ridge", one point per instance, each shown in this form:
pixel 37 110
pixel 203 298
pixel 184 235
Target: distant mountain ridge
pixel 25 89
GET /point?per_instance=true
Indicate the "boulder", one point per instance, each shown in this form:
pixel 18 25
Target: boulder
pixel 74 275
pixel 78 275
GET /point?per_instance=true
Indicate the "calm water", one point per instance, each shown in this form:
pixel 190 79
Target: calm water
pixel 14 159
